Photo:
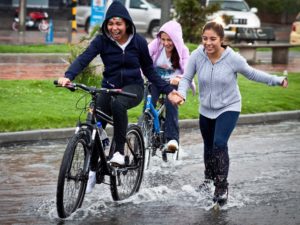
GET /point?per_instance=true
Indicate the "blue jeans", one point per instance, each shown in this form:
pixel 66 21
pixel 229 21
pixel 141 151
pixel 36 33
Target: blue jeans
pixel 215 134
pixel 171 123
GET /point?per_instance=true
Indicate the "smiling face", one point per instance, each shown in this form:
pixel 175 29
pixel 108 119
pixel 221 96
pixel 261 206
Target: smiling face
pixel 211 42
pixel 116 27
pixel 167 42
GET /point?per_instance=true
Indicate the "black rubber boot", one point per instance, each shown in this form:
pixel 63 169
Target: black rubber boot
pixel 209 163
pixel 221 171
pixel 221 190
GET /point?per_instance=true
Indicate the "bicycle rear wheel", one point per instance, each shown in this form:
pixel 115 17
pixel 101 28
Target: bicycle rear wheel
pixel 127 180
pixel 146 124
pixel 73 175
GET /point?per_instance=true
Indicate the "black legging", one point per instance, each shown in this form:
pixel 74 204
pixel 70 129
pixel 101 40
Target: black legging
pixel 215 133
pixel 117 108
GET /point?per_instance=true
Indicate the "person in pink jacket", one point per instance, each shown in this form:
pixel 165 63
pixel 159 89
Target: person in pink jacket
pixel 169 55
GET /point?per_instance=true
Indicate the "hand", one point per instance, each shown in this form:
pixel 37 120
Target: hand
pixel 285 83
pixel 175 98
pixel 63 81
pixel 175 80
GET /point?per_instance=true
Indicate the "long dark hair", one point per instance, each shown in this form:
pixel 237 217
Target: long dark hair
pixel 174 55
pixel 175 59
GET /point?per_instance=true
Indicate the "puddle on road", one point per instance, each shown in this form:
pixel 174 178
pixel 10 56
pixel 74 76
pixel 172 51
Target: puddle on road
pixel 264 174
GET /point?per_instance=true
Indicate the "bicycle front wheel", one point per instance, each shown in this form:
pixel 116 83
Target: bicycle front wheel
pixel 73 175
pixel 127 180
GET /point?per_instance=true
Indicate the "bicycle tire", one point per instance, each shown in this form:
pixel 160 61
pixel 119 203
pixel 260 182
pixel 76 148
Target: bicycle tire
pixel 128 180
pixel 146 124
pixel 73 175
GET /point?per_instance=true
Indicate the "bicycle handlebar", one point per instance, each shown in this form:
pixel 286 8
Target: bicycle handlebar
pixel 93 90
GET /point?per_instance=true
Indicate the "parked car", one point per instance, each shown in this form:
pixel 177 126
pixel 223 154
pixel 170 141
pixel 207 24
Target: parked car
pixel 295 32
pixel 239 14
pixel 146 16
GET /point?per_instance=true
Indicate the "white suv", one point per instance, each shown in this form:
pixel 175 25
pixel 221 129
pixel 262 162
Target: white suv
pixel 242 15
pixel 146 16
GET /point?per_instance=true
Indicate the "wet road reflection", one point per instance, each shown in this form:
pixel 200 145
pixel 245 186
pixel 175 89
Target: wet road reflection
pixel 264 184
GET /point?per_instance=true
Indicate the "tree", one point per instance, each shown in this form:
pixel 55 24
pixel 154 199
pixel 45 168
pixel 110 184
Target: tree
pixel 192 16
pixel 278 10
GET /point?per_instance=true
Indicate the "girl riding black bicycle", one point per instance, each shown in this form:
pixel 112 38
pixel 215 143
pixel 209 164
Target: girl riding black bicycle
pixel 124 54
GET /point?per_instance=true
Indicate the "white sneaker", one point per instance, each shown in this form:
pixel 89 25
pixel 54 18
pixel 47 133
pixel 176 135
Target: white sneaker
pixel 91 182
pixel 172 146
pixel 118 158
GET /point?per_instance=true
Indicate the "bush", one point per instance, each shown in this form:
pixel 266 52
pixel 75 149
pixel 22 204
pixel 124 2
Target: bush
pixel 92 74
pixel 193 17
pixel 276 6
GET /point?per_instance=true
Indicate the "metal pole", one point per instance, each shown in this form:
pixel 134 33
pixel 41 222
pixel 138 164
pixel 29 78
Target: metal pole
pixel 165 11
pixel 74 9
pixel 22 15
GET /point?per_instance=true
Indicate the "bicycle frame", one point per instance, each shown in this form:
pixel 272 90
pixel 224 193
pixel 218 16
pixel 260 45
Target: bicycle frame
pixel 96 133
pixel 91 122
pixel 125 180
pixel 154 113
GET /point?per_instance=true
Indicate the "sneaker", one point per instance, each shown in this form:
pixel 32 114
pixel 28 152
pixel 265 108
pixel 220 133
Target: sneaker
pixel 91 182
pixel 221 194
pixel 172 146
pixel 118 159
pixel 206 186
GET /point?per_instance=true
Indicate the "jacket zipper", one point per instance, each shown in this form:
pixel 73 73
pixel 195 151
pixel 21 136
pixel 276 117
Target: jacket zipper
pixel 211 85
pixel 123 60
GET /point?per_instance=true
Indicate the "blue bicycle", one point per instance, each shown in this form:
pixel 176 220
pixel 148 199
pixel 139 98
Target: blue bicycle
pixel 152 123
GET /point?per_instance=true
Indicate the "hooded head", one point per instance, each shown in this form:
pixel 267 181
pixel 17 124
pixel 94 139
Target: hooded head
pixel 173 29
pixel 117 9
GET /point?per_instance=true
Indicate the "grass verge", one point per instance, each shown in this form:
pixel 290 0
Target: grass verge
pixel 32 104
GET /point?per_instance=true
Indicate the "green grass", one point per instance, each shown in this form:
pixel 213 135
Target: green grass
pixel 65 48
pixel 42 48
pixel 31 104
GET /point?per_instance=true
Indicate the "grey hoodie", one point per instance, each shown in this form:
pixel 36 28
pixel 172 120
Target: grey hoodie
pixel 218 87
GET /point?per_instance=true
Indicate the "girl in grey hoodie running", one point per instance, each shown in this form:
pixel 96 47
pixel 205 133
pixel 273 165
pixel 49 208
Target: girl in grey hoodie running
pixel 217 67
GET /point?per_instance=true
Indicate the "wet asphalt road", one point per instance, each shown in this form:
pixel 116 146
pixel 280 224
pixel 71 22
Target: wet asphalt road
pixel 264 184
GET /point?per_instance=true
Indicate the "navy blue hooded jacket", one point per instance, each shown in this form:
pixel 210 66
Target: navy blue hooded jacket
pixel 121 68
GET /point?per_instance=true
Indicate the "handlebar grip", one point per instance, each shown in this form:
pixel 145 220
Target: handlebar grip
pixel 70 87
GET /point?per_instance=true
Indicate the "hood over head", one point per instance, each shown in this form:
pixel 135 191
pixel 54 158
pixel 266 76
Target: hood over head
pixel 117 9
pixel 174 30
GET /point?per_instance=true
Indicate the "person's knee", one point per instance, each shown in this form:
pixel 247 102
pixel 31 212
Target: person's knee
pixel 118 105
pixel 220 146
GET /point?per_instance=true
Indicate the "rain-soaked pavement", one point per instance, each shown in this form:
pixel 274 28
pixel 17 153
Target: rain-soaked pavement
pixel 264 184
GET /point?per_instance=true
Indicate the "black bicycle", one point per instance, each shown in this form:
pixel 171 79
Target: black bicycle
pixel 74 170
pixel 152 123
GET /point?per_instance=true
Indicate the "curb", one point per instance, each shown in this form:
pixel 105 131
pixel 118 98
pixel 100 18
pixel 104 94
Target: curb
pixel 65 133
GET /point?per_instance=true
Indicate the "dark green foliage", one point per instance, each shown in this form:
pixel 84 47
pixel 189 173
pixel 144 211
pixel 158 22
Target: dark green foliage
pixel 192 17
pixel 92 74
pixel 276 6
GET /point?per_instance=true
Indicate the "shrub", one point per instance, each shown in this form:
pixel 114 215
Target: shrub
pixel 192 16
pixel 92 74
